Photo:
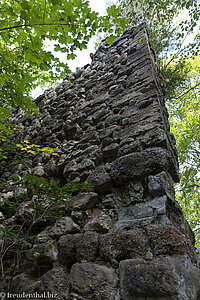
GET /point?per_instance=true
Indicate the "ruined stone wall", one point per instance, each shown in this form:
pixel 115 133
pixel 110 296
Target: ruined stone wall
pixel 127 239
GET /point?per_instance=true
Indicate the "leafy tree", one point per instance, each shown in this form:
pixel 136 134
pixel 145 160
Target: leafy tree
pixel 169 25
pixel 185 124
pixel 167 29
pixel 25 29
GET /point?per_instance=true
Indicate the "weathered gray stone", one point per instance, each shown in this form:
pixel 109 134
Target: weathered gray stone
pixel 78 247
pixel 128 223
pixel 113 119
pixel 129 147
pixel 147 279
pixel 43 236
pixel 131 193
pixel 115 90
pixel 86 246
pixel 46 120
pixel 64 226
pixel 168 240
pixel 161 278
pixel 144 163
pixel 94 281
pixel 109 131
pixel 43 253
pixel 161 184
pixel 155 137
pixel 90 137
pixel 111 151
pixel 100 179
pixel 56 282
pixel 67 250
pixel 98 221
pixel 38 170
pixel 79 217
pixel 25 211
pixel 106 142
pixel 121 245
pixel 69 168
pixel 51 168
pixel 85 201
pixel 142 214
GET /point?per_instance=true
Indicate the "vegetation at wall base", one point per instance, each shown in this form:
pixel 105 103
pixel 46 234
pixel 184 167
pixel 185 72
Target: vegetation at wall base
pixel 41 203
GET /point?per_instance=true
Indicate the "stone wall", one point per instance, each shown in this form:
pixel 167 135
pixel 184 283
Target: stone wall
pixel 127 239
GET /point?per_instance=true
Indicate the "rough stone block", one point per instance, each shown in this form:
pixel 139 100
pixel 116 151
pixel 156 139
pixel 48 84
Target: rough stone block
pixel 143 214
pixel 129 147
pixel 122 244
pixel 45 252
pixel 85 201
pixel 145 209
pixel 143 163
pixel 167 240
pixel 155 137
pixel 131 193
pixel 86 246
pixel 94 281
pixel 98 221
pixel 67 250
pixel 163 278
pixel 78 247
pixel 100 180
pixel 56 282
pixel 161 184
pixel 64 226
pixel 110 151
pixel 147 279
pixel 109 131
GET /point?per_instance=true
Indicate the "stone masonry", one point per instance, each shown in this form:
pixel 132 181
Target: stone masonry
pixel 126 239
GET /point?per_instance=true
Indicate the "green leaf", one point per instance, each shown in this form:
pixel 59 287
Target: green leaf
pixel 110 39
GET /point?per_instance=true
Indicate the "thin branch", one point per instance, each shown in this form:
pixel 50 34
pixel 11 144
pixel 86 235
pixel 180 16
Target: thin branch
pixel 179 50
pixel 175 55
pixel 192 88
pixel 196 229
pixel 46 24
pixel 193 185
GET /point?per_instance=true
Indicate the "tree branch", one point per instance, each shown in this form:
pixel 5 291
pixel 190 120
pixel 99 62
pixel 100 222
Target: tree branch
pixel 179 50
pixel 196 229
pixel 46 24
pixel 192 88
pixel 193 185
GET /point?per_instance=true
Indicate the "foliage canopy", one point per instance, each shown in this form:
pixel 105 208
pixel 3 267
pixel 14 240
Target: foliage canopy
pixel 26 27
